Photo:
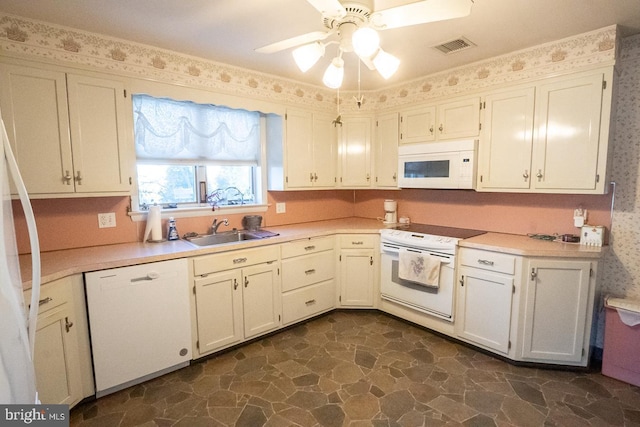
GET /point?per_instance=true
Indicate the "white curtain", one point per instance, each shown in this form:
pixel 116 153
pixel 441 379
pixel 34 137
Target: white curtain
pixel 182 130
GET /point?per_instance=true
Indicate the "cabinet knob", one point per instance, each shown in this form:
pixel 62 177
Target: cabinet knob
pixel 246 281
pixel 78 178
pixel 67 324
pixel 235 284
pixel 67 178
pixel 431 130
pixel 395 176
pixel 539 174
pixel 311 176
pixel 315 177
pixel 525 175
pixel 441 128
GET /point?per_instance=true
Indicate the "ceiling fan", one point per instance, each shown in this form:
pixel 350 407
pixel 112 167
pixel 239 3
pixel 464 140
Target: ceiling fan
pixel 356 23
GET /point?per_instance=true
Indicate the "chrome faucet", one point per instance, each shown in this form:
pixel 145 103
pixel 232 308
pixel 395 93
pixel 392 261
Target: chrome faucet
pixel 216 224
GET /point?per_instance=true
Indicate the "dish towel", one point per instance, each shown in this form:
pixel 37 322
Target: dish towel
pixel 419 268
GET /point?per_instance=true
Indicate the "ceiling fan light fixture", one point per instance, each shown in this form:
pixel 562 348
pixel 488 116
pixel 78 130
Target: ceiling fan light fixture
pixel 334 74
pixel 386 64
pixel 366 42
pixel 307 55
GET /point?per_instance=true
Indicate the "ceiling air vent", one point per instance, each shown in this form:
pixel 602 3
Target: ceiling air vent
pixel 456 45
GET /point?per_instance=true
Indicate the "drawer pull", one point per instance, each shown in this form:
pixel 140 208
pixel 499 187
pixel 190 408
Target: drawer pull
pixel 358 243
pixel 310 302
pixel 239 260
pixel 307 272
pixel 485 262
pixel 45 301
pixel 309 248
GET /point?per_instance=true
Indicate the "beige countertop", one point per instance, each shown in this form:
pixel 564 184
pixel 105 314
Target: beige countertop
pixel 527 246
pixel 58 264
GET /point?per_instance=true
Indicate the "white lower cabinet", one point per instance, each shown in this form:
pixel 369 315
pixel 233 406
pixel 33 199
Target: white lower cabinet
pixel 359 269
pixel 486 286
pixel 236 296
pixel 308 278
pixel 558 302
pixel 527 308
pixel 62 356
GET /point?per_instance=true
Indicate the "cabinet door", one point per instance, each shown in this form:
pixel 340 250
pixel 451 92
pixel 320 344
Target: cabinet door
pixel 418 125
pixel 355 152
pixel 459 119
pixel 56 357
pixel 357 278
pixel 219 310
pixel 484 308
pixel 325 141
pixel 568 134
pixel 556 306
pixel 299 149
pixel 261 299
pixel 35 111
pixel 97 122
pixel 386 152
pixel 507 136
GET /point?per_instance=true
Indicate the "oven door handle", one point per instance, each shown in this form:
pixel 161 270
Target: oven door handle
pixel 393 250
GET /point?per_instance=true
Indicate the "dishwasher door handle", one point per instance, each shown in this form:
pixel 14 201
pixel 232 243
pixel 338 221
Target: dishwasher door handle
pixel 150 276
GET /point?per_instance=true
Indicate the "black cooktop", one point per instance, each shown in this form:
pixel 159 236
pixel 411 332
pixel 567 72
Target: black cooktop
pixel 438 230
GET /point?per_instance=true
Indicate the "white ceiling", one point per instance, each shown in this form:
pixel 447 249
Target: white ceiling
pixel 228 31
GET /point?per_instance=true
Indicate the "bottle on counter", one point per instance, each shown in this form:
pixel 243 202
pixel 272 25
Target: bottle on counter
pixel 172 231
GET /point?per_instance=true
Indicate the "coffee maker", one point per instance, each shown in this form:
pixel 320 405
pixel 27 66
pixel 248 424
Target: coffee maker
pixel 390 212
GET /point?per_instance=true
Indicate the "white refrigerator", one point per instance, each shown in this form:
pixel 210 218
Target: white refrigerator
pixel 17 322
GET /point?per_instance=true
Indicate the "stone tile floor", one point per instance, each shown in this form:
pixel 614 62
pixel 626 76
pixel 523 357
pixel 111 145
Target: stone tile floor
pixel 364 368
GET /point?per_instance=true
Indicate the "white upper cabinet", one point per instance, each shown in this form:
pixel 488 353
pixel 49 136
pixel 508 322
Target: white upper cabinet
pixel 418 125
pixel 548 138
pixel 354 152
pixel 507 138
pixel 97 117
pixel 386 151
pixel 305 156
pixel 68 131
pixel 567 134
pixel 447 120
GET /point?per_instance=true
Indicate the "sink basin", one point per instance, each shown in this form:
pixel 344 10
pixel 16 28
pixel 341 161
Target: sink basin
pixel 220 238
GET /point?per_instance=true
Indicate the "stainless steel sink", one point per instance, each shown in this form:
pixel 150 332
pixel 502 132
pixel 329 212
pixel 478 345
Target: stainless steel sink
pixel 220 238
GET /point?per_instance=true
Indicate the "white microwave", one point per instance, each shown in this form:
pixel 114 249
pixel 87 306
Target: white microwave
pixel 443 164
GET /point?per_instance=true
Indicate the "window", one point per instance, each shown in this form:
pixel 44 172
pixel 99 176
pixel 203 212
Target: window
pixel 190 154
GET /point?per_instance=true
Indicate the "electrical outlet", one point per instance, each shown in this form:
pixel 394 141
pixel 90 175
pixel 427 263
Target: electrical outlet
pixel 281 208
pixel 106 220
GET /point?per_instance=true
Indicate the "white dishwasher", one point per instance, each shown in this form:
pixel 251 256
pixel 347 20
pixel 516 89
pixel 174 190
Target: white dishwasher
pixel 140 325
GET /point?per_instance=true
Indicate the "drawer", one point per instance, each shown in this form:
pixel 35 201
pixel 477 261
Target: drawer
pixel 307 301
pixel 234 259
pixel 487 260
pixel 307 269
pixel 52 295
pixel 306 246
pixel 358 241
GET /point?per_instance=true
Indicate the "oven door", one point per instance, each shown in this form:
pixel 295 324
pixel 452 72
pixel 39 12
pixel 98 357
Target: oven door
pixel 434 301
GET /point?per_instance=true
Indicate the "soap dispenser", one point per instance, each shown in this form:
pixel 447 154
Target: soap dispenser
pixel 172 232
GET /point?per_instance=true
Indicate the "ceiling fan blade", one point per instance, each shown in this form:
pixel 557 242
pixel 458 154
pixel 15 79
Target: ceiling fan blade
pixel 329 8
pixel 293 42
pixel 420 12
